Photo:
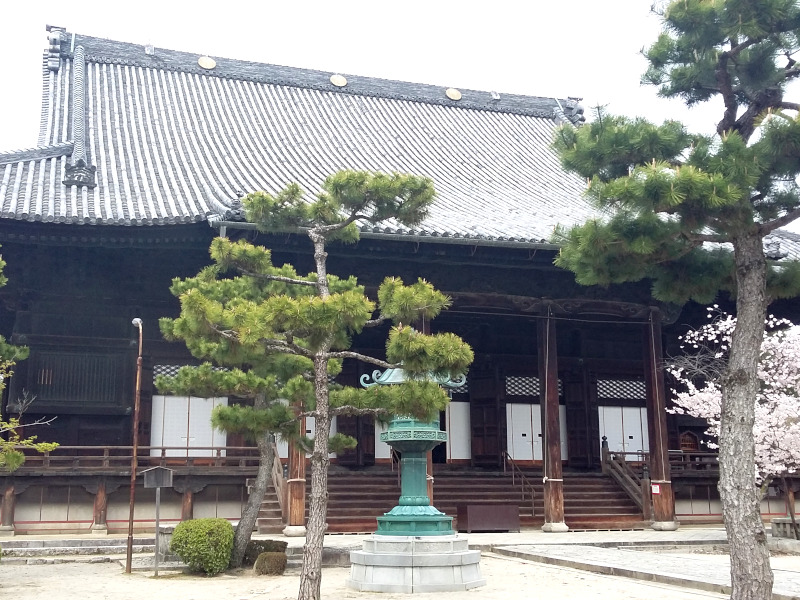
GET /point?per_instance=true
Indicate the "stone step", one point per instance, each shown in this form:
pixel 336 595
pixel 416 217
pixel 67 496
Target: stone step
pixel 20 548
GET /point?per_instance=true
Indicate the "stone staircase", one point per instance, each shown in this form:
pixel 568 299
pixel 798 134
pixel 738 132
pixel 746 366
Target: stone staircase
pixel 591 500
pixel 270 518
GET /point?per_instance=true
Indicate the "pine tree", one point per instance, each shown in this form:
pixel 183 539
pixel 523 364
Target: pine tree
pixel 285 336
pixel 691 212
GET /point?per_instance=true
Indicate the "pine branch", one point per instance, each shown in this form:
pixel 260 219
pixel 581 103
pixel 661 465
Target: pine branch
pixel 5 427
pixel 726 90
pixel 766 228
pixel 699 238
pixel 362 357
pixel 266 343
pixel 280 278
pixel 375 322
pixel 354 216
pixel 354 410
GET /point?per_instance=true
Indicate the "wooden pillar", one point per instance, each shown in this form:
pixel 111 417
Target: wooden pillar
pixel 7 507
pixel 187 505
pixel 663 495
pixel 99 510
pixel 551 427
pixel 296 489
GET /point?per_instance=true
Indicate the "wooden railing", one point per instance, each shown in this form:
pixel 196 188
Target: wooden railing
pixel 279 483
pixel 88 459
pixel 630 470
pixel 701 463
pixel 524 483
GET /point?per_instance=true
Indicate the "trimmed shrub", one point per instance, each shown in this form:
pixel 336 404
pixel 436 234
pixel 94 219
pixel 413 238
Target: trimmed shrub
pixel 270 563
pixel 256 547
pixel 204 544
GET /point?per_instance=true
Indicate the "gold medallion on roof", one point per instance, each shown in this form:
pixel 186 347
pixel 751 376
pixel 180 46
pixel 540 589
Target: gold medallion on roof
pixel 453 94
pixel 206 62
pixel 338 80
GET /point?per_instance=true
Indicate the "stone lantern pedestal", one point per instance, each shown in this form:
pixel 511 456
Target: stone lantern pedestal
pixel 415 549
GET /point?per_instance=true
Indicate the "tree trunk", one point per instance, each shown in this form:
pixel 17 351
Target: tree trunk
pixel 311 572
pixel 250 512
pixel 751 575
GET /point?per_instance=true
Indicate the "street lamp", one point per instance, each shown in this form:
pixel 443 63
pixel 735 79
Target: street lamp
pixel 137 322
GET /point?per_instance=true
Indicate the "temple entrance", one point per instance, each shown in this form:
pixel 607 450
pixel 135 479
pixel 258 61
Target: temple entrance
pixel 487 423
pixel 362 428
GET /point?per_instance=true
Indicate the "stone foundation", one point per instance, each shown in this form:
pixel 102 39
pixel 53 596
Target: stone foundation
pixel 408 565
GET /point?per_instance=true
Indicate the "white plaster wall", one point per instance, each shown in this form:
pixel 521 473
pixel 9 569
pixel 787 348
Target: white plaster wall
pixel 625 428
pixel 459 442
pixel 184 422
pixel 383 450
pixel 524 431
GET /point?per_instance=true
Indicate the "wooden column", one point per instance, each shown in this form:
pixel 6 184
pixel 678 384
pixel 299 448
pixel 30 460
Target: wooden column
pixel 187 505
pixel 296 489
pixel 99 510
pixel 187 487
pixel 551 427
pixel 664 499
pixel 7 507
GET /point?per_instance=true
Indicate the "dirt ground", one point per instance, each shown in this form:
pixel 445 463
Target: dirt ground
pixel 507 579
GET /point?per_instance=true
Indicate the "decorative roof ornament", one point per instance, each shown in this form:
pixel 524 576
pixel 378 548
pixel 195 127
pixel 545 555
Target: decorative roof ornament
pixel 338 80
pixel 206 62
pixel 453 94
pixel 235 211
pixel 53 54
pixel 574 111
pixel 79 171
pixel 80 174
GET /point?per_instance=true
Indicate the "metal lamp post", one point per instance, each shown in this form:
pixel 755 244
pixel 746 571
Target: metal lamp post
pixel 414 515
pixel 137 322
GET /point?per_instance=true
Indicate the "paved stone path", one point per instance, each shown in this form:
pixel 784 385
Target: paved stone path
pixel 656 557
pixel 697 571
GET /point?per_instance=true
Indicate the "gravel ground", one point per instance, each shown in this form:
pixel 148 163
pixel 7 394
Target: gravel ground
pixel 507 579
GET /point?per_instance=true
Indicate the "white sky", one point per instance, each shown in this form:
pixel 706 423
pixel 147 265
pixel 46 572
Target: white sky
pixel 583 48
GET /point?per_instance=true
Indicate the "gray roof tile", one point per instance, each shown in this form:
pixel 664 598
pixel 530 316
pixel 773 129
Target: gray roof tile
pixel 174 143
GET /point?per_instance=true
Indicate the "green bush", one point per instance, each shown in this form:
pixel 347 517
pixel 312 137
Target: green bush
pixel 204 544
pixel 270 563
pixel 256 547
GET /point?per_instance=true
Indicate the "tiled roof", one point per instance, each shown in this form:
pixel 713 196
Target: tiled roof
pixel 172 142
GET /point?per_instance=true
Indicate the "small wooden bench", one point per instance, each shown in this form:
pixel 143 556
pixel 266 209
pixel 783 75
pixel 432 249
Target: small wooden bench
pixel 488 517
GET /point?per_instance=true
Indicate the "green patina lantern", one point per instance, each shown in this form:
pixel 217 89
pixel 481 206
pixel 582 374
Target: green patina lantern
pixel 413 439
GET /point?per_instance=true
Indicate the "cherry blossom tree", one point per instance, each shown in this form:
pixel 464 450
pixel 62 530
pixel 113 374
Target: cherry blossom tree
pixel 777 403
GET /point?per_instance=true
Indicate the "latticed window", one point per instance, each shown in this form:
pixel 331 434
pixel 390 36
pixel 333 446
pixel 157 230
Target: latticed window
pixel 690 442
pixel 524 386
pixel 632 389
pixel 76 379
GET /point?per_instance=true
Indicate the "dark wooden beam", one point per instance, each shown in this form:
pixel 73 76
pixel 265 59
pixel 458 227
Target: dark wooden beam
pixel 551 449
pixel 660 478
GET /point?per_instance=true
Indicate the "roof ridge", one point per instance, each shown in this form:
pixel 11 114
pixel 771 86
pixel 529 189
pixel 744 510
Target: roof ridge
pixel 37 153
pixel 104 51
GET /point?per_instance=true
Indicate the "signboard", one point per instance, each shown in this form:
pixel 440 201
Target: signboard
pixel 656 488
pixel 157 477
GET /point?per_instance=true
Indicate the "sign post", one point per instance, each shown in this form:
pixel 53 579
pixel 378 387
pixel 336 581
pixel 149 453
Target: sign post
pixel 157 477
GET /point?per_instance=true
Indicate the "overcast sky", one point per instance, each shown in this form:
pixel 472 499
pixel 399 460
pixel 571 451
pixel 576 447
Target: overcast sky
pixel 584 48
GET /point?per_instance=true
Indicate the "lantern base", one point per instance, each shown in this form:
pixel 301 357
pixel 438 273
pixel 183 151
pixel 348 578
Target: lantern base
pixel 415 521
pixel 410 565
